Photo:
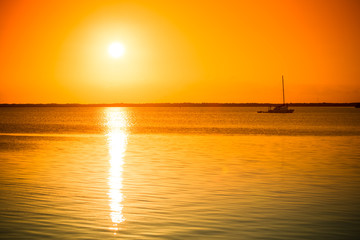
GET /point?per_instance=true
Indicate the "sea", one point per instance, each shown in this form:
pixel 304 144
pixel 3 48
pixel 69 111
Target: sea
pixel 179 173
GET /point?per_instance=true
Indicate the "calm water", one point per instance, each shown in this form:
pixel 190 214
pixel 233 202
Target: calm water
pixel 179 173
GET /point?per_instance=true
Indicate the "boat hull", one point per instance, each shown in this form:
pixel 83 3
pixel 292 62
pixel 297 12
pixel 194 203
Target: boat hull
pixel 288 111
pixel 278 109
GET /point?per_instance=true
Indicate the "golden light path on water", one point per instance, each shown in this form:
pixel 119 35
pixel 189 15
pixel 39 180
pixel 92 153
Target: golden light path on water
pixel 117 141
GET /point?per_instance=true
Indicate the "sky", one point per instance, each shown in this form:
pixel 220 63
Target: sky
pixel 179 51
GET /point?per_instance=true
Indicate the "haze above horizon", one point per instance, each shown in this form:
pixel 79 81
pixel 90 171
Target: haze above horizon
pixel 163 51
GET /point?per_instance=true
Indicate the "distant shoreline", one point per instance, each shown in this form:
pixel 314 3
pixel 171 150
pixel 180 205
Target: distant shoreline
pixel 180 105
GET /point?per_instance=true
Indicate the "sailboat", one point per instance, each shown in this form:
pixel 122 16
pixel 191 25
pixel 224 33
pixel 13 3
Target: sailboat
pixel 280 108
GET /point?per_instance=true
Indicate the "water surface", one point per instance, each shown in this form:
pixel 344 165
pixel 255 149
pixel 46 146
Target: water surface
pixel 179 173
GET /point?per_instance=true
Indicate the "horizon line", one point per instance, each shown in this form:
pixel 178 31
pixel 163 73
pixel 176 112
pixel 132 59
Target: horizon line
pixel 164 104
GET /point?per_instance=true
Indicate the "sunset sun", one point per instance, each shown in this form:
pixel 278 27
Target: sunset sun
pixel 116 50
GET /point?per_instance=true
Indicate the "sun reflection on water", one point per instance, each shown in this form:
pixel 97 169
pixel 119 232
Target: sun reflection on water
pixel 117 141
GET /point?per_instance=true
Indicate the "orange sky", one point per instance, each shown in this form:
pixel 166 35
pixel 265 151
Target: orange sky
pixel 179 51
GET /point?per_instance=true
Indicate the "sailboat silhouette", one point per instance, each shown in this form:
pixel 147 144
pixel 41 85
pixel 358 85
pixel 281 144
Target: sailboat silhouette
pixel 280 108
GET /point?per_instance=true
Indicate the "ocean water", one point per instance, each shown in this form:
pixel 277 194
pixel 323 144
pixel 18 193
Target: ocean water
pixel 179 173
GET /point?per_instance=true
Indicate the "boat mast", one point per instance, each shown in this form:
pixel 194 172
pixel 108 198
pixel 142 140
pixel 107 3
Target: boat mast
pixel 283 89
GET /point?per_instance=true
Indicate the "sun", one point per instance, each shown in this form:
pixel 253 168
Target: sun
pixel 116 50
